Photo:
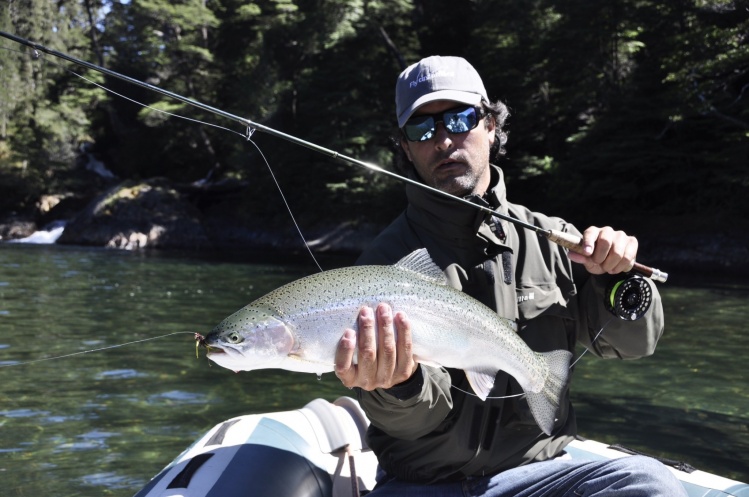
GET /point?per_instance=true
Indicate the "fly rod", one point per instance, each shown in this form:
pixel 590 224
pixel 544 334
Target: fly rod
pixel 567 240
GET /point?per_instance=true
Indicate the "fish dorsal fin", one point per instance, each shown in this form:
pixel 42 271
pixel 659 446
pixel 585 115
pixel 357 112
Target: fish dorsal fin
pixel 421 263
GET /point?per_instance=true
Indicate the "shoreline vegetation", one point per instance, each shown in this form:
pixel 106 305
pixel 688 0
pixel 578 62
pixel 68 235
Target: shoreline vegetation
pixel 632 114
pixel 158 215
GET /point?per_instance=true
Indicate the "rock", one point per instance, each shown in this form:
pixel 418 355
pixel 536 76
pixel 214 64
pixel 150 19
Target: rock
pixel 14 229
pixel 136 215
pixel 60 207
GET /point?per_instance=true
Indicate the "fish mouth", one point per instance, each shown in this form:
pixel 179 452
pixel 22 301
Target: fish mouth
pixel 201 341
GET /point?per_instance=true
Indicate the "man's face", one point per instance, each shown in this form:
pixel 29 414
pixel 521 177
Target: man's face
pixel 454 163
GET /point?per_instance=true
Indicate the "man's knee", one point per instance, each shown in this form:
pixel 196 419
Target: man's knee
pixel 648 473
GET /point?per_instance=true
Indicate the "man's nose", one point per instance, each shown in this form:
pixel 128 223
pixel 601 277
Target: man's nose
pixel 442 139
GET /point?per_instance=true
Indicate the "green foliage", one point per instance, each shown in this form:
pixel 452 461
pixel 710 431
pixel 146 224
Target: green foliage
pixel 620 109
pixel 673 140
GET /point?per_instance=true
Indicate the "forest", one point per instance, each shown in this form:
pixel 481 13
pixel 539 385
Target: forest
pixel 622 111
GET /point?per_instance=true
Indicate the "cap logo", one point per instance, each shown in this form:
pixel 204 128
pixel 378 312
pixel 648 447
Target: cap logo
pixel 427 77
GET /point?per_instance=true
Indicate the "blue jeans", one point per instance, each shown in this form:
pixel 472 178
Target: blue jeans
pixel 632 476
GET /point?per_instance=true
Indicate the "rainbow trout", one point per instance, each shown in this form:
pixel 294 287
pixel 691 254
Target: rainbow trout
pixel 298 326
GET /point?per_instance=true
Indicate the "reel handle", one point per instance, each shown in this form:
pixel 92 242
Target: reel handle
pixel 575 244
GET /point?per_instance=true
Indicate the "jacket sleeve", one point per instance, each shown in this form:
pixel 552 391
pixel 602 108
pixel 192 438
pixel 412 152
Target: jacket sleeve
pixel 609 336
pixel 584 296
pixel 426 403
pixel 602 332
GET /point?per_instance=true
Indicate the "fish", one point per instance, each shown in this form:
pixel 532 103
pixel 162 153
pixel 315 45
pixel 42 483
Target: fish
pixel 298 326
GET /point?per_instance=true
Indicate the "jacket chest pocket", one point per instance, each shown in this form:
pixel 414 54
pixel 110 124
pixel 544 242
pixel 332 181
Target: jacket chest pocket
pixel 535 300
pixel 546 322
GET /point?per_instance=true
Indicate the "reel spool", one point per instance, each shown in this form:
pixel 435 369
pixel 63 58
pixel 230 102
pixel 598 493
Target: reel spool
pixel 630 298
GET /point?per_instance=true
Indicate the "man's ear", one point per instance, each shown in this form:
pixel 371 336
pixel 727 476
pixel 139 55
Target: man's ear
pixel 490 125
pixel 404 146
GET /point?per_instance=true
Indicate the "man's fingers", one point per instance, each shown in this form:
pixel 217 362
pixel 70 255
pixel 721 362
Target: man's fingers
pixel 612 252
pixel 603 243
pixel 345 369
pixel 590 237
pixel 383 349
pixel 628 256
pixel 386 353
pixel 405 366
pixel 618 251
pixel 367 355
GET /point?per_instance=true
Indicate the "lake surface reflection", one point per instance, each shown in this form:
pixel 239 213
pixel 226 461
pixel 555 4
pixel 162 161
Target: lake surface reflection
pixel 103 423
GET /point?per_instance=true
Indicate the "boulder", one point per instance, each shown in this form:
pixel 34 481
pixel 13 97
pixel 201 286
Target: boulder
pixel 134 215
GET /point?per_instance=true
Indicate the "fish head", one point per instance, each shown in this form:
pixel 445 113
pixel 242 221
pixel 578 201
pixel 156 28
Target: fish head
pixel 251 338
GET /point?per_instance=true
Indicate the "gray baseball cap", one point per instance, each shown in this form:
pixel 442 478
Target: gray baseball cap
pixel 437 78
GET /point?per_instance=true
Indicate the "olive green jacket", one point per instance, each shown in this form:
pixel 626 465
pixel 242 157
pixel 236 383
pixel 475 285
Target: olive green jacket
pixel 427 429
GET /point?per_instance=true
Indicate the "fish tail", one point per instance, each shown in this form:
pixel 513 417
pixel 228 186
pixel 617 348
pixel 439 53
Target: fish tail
pixel 544 405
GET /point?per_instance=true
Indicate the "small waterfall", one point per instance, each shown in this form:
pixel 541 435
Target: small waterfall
pixel 47 235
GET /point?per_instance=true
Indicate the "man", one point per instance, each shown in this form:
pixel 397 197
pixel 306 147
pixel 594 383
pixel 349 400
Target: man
pixel 431 434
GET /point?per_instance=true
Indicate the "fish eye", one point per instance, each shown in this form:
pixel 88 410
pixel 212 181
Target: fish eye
pixel 234 337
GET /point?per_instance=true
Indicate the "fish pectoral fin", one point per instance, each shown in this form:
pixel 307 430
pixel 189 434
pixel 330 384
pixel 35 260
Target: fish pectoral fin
pixel 482 381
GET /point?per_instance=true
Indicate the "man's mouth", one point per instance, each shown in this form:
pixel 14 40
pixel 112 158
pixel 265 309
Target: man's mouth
pixel 447 165
pixel 450 161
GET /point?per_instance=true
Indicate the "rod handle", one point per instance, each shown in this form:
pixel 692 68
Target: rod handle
pixel 575 244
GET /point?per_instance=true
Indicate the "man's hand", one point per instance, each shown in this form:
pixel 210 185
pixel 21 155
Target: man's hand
pixel 606 251
pixel 384 356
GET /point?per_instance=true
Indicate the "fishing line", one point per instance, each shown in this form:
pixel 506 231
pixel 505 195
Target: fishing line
pixel 36 56
pixel 94 350
pixel 250 131
pixel 489 398
pixel 146 105
pixel 248 136
pixel 592 342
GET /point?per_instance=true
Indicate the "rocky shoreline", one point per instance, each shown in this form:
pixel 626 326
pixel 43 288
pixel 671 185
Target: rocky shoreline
pixel 156 214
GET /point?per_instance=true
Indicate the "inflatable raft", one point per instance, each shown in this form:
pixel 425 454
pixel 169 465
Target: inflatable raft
pixel 320 451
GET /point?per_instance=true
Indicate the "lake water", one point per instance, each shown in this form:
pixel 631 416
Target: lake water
pixel 103 423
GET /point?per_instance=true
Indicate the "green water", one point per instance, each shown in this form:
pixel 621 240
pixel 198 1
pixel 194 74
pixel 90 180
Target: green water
pixel 103 423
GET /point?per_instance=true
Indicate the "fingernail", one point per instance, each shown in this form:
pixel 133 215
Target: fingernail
pixel 349 337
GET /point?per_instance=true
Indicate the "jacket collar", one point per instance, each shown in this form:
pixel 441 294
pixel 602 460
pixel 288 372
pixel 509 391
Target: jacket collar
pixel 444 218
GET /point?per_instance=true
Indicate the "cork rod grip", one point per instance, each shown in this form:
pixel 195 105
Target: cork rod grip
pixel 575 244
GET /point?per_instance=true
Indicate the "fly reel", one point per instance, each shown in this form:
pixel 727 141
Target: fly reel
pixel 630 298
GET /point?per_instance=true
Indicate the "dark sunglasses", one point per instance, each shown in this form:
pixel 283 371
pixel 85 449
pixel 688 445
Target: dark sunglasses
pixel 457 120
